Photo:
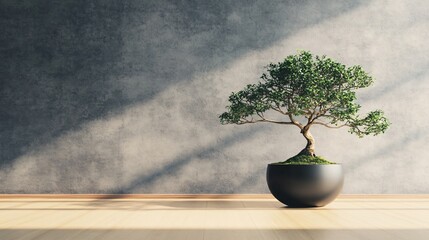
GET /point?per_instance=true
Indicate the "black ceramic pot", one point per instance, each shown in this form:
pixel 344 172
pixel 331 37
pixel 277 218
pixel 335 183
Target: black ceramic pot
pixel 305 185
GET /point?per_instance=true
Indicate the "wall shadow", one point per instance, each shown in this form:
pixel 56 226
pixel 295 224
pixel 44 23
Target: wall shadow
pixel 64 62
pixel 416 77
pixel 183 160
pixel 412 136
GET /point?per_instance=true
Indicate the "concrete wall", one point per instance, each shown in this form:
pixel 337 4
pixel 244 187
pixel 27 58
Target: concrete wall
pixel 123 96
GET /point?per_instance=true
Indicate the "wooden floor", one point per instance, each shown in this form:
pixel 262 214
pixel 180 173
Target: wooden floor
pixel 215 218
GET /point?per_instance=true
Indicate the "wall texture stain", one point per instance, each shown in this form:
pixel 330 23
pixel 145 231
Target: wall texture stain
pixel 123 96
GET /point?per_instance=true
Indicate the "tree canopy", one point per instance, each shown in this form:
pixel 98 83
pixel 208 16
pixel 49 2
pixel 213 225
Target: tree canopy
pixel 317 88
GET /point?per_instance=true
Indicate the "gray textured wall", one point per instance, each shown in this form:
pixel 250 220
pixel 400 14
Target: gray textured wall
pixel 123 96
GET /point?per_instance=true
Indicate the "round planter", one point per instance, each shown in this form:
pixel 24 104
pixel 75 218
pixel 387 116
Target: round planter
pixel 305 185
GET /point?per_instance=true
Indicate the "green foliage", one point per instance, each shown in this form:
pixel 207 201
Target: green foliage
pixel 317 88
pixel 374 123
pixel 305 160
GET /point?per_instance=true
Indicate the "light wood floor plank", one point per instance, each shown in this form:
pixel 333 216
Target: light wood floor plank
pixel 212 218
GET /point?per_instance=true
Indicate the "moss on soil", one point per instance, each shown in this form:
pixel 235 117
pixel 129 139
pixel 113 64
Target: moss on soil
pixel 305 160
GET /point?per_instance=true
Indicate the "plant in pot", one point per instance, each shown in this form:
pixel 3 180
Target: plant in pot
pixel 306 91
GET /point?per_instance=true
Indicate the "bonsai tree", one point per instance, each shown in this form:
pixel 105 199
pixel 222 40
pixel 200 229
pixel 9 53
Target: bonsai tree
pixel 304 91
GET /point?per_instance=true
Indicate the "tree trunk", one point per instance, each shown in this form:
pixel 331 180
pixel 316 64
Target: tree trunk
pixel 309 148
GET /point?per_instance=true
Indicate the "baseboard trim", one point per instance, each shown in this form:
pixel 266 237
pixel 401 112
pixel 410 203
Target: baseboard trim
pixel 198 196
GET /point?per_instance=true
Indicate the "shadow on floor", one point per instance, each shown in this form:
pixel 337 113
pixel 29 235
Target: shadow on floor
pixel 153 234
pixel 200 204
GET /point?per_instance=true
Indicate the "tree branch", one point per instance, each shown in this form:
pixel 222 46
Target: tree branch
pixel 310 118
pixel 263 120
pixel 329 126
pixel 278 109
pixel 295 122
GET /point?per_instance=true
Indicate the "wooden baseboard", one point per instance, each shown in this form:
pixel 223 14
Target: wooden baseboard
pixel 197 196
